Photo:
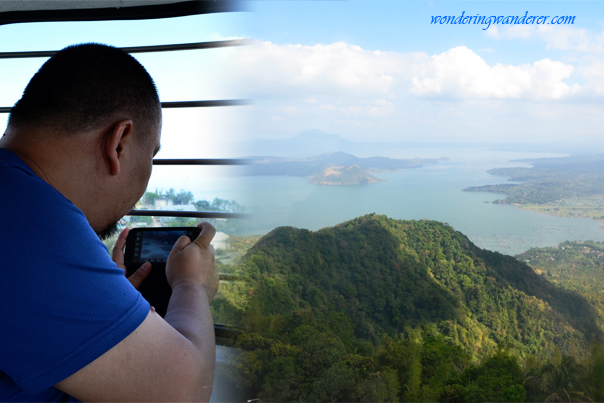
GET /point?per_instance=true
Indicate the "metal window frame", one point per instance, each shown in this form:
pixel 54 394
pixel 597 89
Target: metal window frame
pixel 176 9
pixel 144 12
pixel 137 49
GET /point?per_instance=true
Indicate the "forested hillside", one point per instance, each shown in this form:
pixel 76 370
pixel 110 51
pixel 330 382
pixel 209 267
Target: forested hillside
pixel 388 274
pixel 575 266
pixel 376 309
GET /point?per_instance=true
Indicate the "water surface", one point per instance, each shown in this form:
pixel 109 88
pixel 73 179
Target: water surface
pixel 431 192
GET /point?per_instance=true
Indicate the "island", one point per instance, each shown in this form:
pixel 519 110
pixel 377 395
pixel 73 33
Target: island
pixel 333 168
pixel 350 175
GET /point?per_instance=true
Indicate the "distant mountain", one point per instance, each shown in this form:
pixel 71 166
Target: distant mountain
pixel 350 175
pixel 310 142
pixel 316 141
pixel 390 275
pixel 316 165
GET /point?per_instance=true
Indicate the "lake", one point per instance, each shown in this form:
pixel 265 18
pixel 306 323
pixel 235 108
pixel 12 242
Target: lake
pixel 431 192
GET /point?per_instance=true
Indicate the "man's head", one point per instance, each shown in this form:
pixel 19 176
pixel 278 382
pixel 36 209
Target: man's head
pixel 83 87
pixel 89 123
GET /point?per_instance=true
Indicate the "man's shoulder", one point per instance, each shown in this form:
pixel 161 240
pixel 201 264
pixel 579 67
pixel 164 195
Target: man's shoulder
pixel 26 199
pixel 13 168
pixel 38 223
pixel 10 163
pixel 63 301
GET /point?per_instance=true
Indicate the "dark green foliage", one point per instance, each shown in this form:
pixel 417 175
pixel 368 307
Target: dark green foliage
pixel 498 379
pixel 561 378
pixel 302 358
pixel 575 266
pixel 594 373
pixel 386 275
pixel 575 309
pixel 376 309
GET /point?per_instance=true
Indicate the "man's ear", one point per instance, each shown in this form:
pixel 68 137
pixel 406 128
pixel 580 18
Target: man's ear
pixel 117 138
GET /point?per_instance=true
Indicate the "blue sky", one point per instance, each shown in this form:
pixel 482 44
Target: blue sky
pixel 380 70
pixel 361 69
pixel 404 26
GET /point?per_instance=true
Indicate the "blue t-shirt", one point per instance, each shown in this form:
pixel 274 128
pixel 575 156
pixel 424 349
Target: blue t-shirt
pixel 63 302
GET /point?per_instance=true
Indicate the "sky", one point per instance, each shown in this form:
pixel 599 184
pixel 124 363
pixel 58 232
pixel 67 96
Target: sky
pixel 365 70
pixel 179 76
pixel 380 70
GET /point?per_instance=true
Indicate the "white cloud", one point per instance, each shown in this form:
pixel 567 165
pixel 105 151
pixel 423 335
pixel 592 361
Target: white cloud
pixel 567 38
pixel 358 76
pixel 366 94
pixel 594 73
pixel 311 71
pixel 555 36
pixel 459 73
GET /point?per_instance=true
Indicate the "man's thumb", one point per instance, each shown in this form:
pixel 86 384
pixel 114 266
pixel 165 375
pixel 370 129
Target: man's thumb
pixel 140 275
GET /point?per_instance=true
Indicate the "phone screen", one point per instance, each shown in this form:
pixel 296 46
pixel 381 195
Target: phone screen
pixel 154 246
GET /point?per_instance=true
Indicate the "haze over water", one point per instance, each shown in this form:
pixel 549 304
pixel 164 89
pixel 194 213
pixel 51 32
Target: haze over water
pixel 431 192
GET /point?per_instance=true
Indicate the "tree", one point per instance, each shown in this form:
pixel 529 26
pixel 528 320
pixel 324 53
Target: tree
pixel 183 197
pixel 498 379
pixel 563 381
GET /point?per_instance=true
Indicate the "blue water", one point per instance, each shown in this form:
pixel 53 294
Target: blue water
pixel 431 192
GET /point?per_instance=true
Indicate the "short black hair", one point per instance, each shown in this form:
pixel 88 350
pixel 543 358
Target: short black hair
pixel 82 86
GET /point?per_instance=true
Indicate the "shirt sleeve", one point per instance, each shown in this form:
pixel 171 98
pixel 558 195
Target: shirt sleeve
pixel 63 302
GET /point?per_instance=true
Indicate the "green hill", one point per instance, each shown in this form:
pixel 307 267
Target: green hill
pixel 386 275
pixel 376 309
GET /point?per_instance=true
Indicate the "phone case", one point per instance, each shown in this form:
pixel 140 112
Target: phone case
pixel 155 288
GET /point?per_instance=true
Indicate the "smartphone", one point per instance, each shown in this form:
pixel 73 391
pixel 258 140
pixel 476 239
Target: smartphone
pixel 153 245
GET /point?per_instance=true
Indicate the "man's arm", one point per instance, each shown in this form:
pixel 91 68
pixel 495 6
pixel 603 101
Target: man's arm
pixel 163 360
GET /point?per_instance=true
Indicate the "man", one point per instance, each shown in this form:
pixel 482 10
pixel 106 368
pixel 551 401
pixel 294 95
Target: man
pixel 75 157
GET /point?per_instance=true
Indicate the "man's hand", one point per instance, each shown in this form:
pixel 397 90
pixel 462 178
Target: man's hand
pixel 164 360
pixel 193 262
pixel 118 257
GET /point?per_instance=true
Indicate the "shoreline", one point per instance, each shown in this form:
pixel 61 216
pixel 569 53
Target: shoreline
pixel 558 210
